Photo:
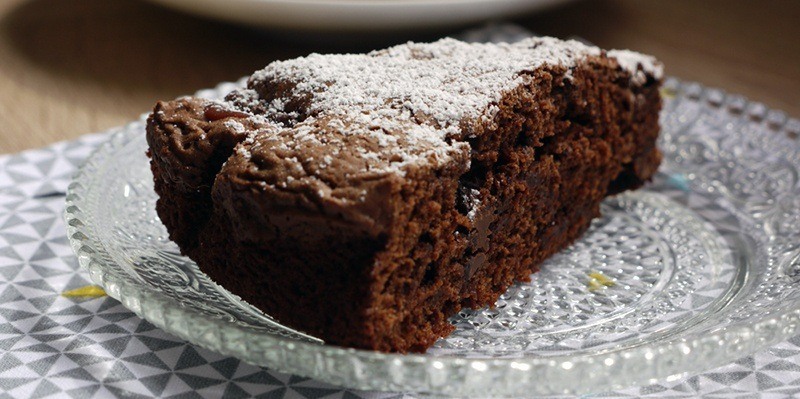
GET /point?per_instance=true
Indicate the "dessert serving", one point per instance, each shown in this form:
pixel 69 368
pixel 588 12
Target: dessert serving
pixel 365 199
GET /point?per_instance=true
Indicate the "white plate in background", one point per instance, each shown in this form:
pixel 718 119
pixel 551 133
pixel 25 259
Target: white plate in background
pixel 356 14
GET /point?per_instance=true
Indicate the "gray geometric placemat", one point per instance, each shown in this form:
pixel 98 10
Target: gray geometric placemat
pixel 54 346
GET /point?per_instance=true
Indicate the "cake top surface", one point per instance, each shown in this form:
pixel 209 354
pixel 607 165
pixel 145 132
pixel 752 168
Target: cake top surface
pixel 383 111
pixel 447 80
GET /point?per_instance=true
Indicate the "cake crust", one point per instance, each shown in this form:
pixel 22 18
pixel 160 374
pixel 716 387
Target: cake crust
pixel 364 199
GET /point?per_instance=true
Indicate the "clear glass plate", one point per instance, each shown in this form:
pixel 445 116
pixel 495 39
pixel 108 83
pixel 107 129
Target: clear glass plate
pixel 697 269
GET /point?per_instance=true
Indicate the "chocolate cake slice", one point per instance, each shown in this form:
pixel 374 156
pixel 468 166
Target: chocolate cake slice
pixel 364 199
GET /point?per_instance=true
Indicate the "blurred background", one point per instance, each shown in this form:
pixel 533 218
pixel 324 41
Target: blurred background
pixel 69 68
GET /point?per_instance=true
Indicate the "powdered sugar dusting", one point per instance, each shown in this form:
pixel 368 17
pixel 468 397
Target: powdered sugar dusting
pixel 408 102
pixel 441 83
pixel 234 125
pixel 472 200
pixel 637 64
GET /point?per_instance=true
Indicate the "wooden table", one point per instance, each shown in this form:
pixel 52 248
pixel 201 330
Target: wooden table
pixel 73 67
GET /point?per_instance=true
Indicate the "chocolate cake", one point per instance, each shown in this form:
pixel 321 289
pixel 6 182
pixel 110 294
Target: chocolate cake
pixel 365 199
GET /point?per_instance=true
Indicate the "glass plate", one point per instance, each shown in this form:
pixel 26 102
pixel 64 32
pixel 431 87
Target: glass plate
pixel 697 269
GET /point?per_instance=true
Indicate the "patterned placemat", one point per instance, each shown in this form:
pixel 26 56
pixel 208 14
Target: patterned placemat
pixel 59 338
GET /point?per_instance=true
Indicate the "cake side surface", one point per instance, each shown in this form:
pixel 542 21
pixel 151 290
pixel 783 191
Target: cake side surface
pixel 363 202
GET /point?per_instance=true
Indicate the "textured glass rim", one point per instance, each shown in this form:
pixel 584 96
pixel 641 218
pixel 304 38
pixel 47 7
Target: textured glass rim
pixel 441 375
